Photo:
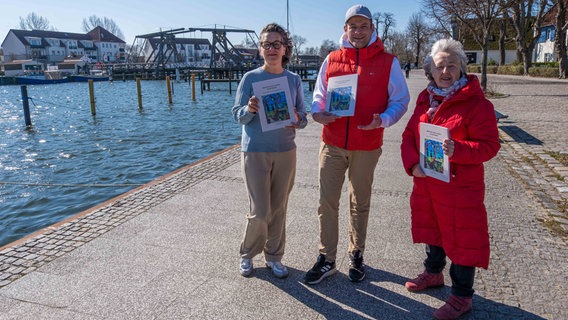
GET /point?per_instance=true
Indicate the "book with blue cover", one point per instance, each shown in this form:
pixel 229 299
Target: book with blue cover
pixel 276 108
pixel 341 94
pixel 433 161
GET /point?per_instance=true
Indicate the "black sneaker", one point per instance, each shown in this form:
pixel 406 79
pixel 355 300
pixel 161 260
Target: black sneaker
pixel 356 267
pixel 321 270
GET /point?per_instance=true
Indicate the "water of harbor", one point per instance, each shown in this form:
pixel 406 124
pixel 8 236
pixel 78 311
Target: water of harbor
pixel 70 160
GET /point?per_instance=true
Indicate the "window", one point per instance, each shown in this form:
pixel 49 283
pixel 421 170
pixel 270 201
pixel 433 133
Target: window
pixel 53 42
pixel 548 34
pixel 34 41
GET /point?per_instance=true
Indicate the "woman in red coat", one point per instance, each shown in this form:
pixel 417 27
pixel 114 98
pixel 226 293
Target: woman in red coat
pixel 450 217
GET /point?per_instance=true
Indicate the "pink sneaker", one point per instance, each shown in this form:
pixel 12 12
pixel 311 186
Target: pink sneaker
pixel 425 280
pixel 454 308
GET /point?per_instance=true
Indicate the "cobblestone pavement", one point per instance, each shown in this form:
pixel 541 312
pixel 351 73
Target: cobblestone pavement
pixel 537 126
pixel 527 257
pixel 528 222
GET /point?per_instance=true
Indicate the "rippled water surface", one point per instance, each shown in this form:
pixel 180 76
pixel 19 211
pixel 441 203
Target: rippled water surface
pixel 70 160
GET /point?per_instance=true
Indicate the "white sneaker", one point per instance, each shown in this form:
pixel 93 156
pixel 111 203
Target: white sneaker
pixel 278 269
pixel 245 267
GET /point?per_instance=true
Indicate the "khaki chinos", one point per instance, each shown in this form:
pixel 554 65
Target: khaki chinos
pixel 269 178
pixel 360 167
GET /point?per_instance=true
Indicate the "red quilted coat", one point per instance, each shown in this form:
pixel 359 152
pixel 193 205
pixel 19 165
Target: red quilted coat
pixel 452 215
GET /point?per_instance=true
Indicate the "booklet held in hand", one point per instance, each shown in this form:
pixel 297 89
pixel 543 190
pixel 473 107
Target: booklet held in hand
pixel 276 108
pixel 433 161
pixel 341 93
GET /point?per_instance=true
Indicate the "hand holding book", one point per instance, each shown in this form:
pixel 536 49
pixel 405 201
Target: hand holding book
pixel 448 146
pixel 295 124
pixel 435 144
pixel 324 117
pixel 274 101
pixel 253 104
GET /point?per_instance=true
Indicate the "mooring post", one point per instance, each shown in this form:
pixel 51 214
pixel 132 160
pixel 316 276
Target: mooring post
pixel 193 86
pixel 230 76
pixel 92 97
pixel 139 92
pixel 26 102
pixel 169 89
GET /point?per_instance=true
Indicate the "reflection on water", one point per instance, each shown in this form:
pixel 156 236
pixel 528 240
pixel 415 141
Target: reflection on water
pixel 69 160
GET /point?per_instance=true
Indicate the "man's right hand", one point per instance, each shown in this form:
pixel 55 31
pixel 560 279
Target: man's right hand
pixel 324 117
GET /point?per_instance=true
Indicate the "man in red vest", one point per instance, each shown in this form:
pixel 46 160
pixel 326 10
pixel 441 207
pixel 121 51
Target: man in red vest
pixel 353 143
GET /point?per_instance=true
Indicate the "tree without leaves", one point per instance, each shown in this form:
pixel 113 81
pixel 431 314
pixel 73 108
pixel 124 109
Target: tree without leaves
pixel 312 50
pixel 561 26
pixel 377 20
pixel 477 17
pixel 387 20
pixel 400 46
pixel 106 23
pixel 440 23
pixel 326 47
pixel 419 34
pixel 503 36
pixel 297 42
pixel 34 21
pixel 527 18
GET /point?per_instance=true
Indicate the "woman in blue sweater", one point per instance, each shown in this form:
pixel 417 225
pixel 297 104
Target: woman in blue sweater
pixel 268 158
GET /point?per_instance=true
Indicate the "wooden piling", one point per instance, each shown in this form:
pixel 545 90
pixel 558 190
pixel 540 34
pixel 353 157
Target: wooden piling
pixel 193 86
pixel 92 97
pixel 169 89
pixel 26 102
pixel 139 92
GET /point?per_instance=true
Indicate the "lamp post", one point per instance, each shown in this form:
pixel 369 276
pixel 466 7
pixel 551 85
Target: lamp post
pixel 454 24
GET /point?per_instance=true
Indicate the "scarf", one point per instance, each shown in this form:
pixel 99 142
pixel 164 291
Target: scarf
pixel 439 95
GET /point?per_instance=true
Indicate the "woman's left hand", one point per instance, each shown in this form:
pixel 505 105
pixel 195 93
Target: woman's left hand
pixel 448 146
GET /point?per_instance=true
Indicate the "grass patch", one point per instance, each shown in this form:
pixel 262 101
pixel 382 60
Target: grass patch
pixel 560 157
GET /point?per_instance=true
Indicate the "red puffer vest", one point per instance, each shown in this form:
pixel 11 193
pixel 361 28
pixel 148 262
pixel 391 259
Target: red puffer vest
pixel 373 65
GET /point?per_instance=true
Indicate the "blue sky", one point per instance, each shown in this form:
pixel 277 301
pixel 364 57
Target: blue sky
pixel 315 20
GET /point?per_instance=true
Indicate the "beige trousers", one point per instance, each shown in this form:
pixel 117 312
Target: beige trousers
pixel 269 178
pixel 360 166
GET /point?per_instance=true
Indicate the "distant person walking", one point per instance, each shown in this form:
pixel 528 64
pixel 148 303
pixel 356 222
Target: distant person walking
pixel 450 217
pixel 268 158
pixel 352 144
pixel 407 69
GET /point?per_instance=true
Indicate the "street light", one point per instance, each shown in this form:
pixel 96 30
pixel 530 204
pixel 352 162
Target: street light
pixel 454 24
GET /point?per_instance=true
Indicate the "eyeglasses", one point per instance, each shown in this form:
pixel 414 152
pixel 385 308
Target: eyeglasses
pixel 448 68
pixel 276 45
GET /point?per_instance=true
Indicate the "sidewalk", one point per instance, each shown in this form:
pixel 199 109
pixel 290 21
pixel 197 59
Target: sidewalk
pixel 169 250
